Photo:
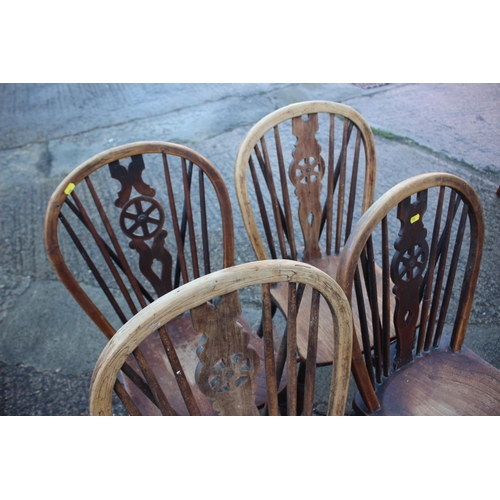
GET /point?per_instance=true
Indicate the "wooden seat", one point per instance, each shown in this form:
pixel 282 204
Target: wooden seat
pixel 303 175
pixel 225 374
pixel 185 340
pixel 134 223
pixel 427 236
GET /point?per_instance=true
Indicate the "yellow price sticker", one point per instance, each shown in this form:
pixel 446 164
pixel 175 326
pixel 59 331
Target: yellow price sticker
pixel 415 218
pixel 69 188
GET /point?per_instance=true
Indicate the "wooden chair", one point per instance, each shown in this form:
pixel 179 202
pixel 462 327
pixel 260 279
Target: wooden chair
pixel 427 236
pixel 136 222
pixel 303 175
pixel 225 375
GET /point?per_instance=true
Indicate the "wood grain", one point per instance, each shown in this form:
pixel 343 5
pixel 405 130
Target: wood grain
pixel 198 292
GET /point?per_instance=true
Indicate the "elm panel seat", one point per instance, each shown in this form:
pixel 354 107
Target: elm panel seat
pixel 426 234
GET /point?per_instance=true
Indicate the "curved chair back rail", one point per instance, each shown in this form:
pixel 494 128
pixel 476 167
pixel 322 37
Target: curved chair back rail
pixel 129 225
pixel 129 191
pixel 316 169
pixel 426 234
pixel 194 296
pixel 303 175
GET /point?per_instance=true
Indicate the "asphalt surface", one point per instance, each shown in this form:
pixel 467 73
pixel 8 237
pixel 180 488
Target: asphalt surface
pixel 48 347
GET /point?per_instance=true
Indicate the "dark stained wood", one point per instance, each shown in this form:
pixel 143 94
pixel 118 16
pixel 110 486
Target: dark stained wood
pixel 407 273
pixel 135 245
pixel 269 360
pixel 286 196
pixel 443 383
pixel 291 340
pixel 424 339
pixel 341 184
pixel 312 350
pixel 436 256
pixel 263 211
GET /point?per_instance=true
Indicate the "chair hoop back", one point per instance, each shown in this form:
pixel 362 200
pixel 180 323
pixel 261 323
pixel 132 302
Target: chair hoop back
pixel 314 174
pixel 219 334
pixel 436 252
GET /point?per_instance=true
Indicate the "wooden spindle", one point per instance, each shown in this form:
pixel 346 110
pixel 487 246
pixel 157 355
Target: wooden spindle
pixel 291 331
pixel 190 221
pixel 262 210
pixel 312 352
pixel 115 243
pixel 365 336
pixel 386 301
pixel 111 267
pixel 330 188
pixel 272 392
pixel 341 187
pixel 175 220
pixel 204 223
pixel 352 193
pixel 371 280
pixel 429 275
pixel 451 275
pixel 279 217
pixel 288 223
pixel 443 246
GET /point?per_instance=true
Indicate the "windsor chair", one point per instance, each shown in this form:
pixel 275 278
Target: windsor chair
pixel 427 236
pixel 128 226
pixel 227 361
pixel 303 175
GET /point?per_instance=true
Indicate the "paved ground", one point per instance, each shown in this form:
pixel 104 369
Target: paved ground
pixel 47 345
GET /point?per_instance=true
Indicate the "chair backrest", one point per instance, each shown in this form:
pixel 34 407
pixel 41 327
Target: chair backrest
pixel 140 225
pixel 427 235
pixel 311 169
pixel 227 362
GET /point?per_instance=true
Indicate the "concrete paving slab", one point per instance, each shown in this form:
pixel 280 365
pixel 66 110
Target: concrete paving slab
pixel 459 121
pixel 48 130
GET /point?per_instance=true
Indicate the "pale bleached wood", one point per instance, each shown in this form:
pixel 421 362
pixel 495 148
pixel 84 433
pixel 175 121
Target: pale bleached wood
pixel 273 119
pixel 198 292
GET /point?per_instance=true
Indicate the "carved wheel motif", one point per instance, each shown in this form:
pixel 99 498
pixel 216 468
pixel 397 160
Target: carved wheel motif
pixel 411 263
pixel 142 218
pixel 229 374
pixel 407 273
pixel 228 365
pixel 308 170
